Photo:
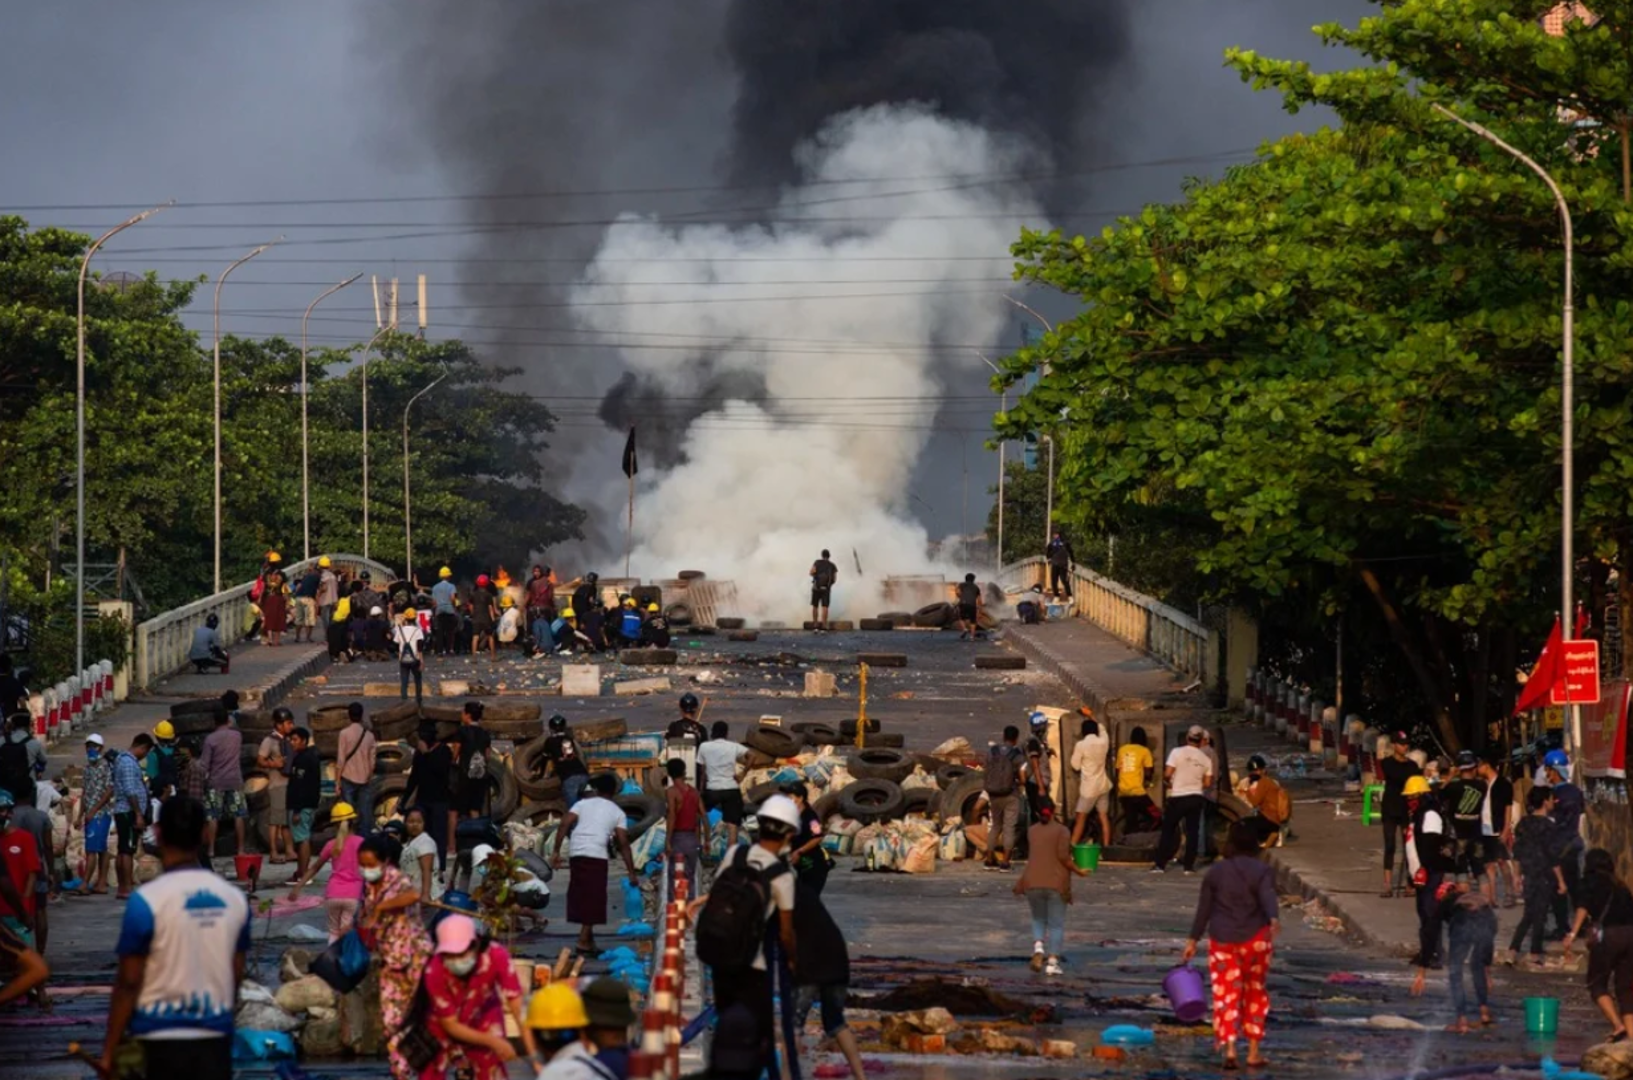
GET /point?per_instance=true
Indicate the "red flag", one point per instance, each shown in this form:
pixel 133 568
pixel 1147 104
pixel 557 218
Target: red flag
pixel 1534 694
pixel 1582 623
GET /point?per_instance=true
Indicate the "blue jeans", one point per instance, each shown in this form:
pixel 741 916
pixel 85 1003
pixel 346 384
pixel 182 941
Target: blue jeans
pixel 543 639
pixel 1473 942
pixel 1048 919
pixel 573 787
pixel 361 796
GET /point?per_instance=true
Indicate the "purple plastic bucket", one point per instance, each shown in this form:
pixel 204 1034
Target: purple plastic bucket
pixel 1186 994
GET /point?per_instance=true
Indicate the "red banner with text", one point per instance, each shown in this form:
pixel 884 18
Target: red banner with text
pixel 1604 732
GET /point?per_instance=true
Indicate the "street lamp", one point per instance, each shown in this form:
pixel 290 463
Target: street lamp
pixel 1047 325
pixel 222 280
pixel 408 529
pixel 378 334
pixel 1567 619
pixel 306 482
pixel 1003 399
pixel 79 435
pixel 1049 498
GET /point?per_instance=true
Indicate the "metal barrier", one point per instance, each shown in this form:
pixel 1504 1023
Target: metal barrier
pixel 660 1046
pixel 1159 631
pixel 162 642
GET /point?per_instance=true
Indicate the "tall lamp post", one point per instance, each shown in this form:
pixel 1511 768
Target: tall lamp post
pixel 79 435
pixel 306 480
pixel 1003 405
pixel 1567 620
pixel 222 280
pixel 408 528
pixel 378 334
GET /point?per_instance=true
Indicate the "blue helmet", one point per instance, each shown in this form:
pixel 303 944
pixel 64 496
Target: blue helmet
pixel 1557 759
pixel 6 801
pixel 457 898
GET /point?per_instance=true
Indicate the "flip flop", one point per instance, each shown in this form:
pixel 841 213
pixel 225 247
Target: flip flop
pixel 1262 1063
pixel 1230 1065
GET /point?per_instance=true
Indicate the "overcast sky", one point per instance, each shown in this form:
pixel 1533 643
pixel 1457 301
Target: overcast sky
pixel 111 106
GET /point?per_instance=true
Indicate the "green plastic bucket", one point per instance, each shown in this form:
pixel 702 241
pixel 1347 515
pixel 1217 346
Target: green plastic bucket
pixel 1087 856
pixel 1541 1015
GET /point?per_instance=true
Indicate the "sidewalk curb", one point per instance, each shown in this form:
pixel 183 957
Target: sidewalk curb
pixel 1049 660
pixel 1289 879
pixel 286 679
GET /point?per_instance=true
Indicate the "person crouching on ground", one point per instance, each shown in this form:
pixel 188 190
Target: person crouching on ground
pixel 1472 926
pixel 1047 885
pixel 1271 804
pixel 1239 911
pixel 470 984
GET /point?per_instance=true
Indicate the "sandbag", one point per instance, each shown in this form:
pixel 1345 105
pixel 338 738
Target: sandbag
pixel 921 856
pixel 842 826
pixel 648 846
pixel 264 1016
pixel 918 778
pixel 840 778
pixel 955 749
pixel 953 845
pixel 307 992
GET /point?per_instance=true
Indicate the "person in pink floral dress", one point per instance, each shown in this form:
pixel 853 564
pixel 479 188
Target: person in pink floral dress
pixel 389 920
pixel 470 985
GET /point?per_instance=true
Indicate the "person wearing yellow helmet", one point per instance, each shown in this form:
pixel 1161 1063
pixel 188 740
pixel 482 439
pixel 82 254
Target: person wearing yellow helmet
pixel 344 890
pixel 602 1047
pixel 509 628
pixel 328 590
pixel 1396 768
pixel 555 1015
pixel 444 613
pixel 1431 854
pixel 409 640
pixel 655 628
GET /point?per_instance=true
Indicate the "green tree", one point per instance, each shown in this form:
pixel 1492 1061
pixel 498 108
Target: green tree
pixel 1336 369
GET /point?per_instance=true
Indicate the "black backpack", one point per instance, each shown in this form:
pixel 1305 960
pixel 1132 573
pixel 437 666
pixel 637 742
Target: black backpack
pixel 732 925
pixel 1001 770
pixel 15 774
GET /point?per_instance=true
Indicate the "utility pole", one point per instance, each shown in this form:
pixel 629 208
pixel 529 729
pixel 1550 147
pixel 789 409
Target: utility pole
pixel 222 280
pixel 306 392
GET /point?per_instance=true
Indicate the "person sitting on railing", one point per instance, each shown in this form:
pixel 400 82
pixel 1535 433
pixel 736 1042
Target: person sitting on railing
pixel 207 651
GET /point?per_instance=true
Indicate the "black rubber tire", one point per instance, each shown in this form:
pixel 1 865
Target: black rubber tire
pixel 678 615
pixel 900 618
pixel 527 761
pixel 759 793
pixel 959 798
pixel 879 763
pixel 774 741
pixel 394 722
pixel 502 713
pixel 540 789
pixel 921 800
pixel 443 714
pixel 877 624
pixel 391 759
pixel 329 718
pixel 887 740
pixel 197 705
pixel 194 724
pixel 730 622
pixel 817 734
pixel 947 775
pixel 534 812
pixel 646 810
pixel 754 759
pixel 743 635
pixel 254 724
pixel 827 806
pixel 690 575
pixel 934 615
pixel 847 728
pixel 600 730
pixel 388 792
pixel 655 782
pixel 506 795
pixel 872 800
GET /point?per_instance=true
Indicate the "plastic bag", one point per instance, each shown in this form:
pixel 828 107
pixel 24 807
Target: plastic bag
pixel 840 778
pixel 253 1045
pixel 953 845
pixel 634 905
pixel 344 964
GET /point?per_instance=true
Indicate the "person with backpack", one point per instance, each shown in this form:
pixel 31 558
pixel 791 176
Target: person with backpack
pixel 754 884
pixel 823 576
pixel 593 825
pixel 1272 806
pixel 410 642
pixel 1002 781
pixel 471 789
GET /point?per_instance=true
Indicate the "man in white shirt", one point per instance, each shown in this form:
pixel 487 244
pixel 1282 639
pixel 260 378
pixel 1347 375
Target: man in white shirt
pixel 593 823
pixel 1188 774
pixel 718 758
pixel 1093 785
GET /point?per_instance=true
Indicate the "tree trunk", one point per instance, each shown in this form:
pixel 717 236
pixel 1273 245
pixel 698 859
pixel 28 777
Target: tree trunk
pixel 1479 697
pixel 1433 688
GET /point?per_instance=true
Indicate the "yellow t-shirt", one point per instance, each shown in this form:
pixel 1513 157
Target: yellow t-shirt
pixel 1132 762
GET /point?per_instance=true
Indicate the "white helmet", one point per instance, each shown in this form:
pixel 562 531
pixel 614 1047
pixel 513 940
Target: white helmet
pixel 780 808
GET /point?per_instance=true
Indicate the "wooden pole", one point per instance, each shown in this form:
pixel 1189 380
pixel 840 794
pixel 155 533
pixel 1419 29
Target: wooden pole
pixel 629 530
pixel 862 710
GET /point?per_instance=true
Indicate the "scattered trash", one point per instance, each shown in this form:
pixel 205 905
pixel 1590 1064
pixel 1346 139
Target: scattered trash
pixel 959 999
pixel 1391 1022
pixel 1128 1035
pixel 1349 978
pixel 302 932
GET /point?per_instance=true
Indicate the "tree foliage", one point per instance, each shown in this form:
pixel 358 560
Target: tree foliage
pixel 1337 369
pixel 477 449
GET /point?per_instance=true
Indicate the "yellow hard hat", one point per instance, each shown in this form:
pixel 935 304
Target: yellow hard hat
pixel 556 1007
pixel 164 729
pixel 445 573
pixel 568 613
pixel 1415 785
pixel 408 613
pixel 629 601
pixel 323 562
pixel 342 811
pixel 652 607
pixel 506 601
pixel 273 556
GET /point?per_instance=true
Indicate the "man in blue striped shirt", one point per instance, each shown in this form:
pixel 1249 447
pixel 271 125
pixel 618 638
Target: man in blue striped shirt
pixel 129 808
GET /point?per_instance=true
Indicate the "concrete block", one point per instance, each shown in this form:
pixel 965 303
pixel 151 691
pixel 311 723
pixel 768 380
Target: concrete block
pixel 882 659
pixel 641 686
pixel 647 657
pixel 820 684
pixel 381 689
pixel 581 680
pixel 454 688
pixel 1059 1048
pixel 1002 662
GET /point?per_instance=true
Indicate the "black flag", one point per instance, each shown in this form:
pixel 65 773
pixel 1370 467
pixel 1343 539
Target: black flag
pixel 630 466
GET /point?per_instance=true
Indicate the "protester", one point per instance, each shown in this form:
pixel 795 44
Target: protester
pixel 1272 806
pixel 419 858
pixel 1093 785
pixel 1497 816
pixel 304 593
pixel 1537 849
pixel 428 789
pixel 1188 774
pixel 129 803
pixel 13 692
pixel 16 763
pixel 686 826
pixel 96 792
pixel 222 761
pixel 344 889
pixel 558 1019
pixel 1462 799
pixel 1605 903
pixel 563 759
pixel 1239 912
pixel 1002 776
pixel 274 602
pixel 410 644
pixel 1135 766
pixel 304 795
pixel 1471 922
pixel 540 596
pixel 1569 806
pixel 1431 854
pixel 689 726
pixel 162 766
pixel 824 575
pixel 273 757
pixel 328 594
pixel 655 628
pixel 970 605
pixel 1396 769
pixel 337 628
pixel 207 650
pixel 1038 773
pixel 822 973
pixel 718 758
pixel 470 985
pixel 471 787
pixel 1058 553
pixel 23 969
pixel 355 750
pixel 182 944
pixel 377 635
pixel 1047 885
pixel 484 609
pixel 444 612
pixel 810 860
pixel 24 865
pixel 593 824
pixel 389 919
pixel 510 622
pixel 28 819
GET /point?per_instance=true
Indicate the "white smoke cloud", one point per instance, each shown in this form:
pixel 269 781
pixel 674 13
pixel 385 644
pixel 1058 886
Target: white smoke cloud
pixel 767 486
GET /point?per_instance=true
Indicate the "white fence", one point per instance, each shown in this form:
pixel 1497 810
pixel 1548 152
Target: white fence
pixel 1161 632
pixel 162 642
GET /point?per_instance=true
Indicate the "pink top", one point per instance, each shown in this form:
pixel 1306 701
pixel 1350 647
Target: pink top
pixel 346 878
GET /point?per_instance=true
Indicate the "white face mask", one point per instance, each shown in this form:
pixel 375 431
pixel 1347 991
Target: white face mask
pixel 460 965
pixel 371 874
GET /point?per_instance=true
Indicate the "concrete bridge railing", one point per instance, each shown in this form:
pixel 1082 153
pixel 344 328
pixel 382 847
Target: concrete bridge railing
pixel 163 641
pixel 1163 633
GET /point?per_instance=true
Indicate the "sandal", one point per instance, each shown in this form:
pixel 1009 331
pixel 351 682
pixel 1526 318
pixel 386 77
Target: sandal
pixel 1231 1065
pixel 1620 1036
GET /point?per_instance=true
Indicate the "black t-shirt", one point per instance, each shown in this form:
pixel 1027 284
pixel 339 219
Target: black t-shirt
pixel 822 958
pixel 583 600
pixel 969 593
pixel 685 726
pixel 1606 900
pixel 1395 774
pixel 1568 808
pixel 13 696
pixel 306 780
pixel 428 776
pixel 824 574
pixel 473 739
pixel 1461 801
pixel 562 751
pixel 1501 793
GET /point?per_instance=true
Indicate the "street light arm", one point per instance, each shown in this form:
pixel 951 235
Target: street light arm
pixel 1047 325
pixel 408 527
pixel 306 476
pixel 1491 137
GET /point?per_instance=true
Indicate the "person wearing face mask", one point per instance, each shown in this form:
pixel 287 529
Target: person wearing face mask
pixel 469 986
pixel 389 920
pixel 96 793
